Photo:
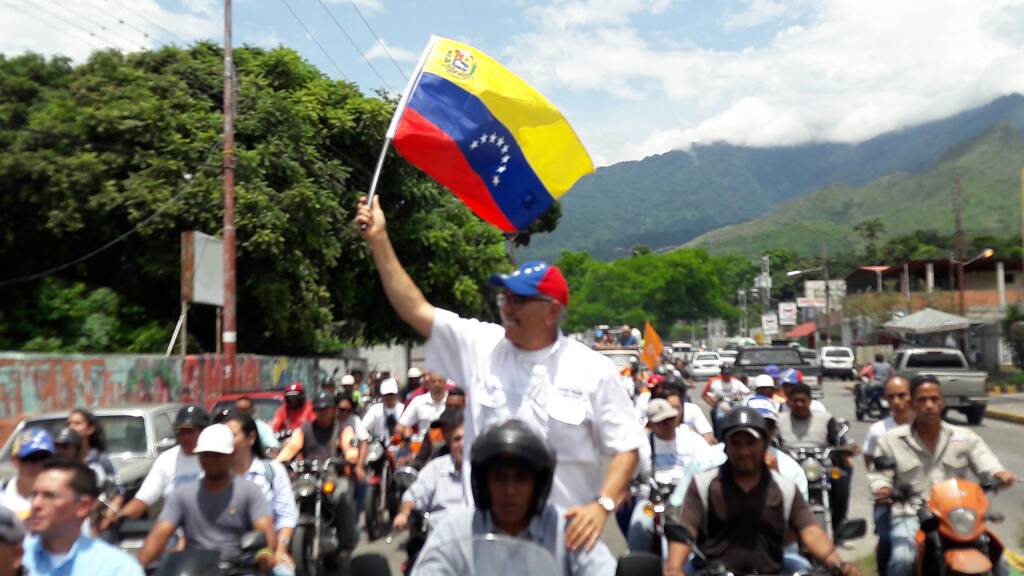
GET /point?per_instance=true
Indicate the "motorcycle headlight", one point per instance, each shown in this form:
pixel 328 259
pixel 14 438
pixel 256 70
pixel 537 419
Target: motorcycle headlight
pixel 812 469
pixel 962 521
pixel 304 487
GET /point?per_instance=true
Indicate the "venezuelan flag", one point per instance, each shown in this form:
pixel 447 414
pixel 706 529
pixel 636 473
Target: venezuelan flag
pixel 499 145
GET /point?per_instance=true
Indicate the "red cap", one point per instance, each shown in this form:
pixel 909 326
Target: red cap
pixel 295 388
pixel 656 379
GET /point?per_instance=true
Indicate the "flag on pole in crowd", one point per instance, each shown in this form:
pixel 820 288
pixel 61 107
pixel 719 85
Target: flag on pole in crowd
pixel 497 143
pixel 653 347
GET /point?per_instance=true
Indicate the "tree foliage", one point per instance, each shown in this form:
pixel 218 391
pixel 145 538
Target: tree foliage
pixel 125 141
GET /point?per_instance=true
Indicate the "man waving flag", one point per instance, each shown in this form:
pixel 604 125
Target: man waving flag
pixel 499 145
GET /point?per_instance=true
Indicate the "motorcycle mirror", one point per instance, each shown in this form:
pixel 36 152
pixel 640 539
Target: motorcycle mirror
pixel 884 463
pixel 165 444
pixel 852 529
pixel 252 541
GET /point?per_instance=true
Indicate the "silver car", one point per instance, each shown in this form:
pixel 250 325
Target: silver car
pixel 135 434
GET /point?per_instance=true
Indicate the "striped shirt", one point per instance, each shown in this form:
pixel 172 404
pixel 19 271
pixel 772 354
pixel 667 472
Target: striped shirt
pixel 437 488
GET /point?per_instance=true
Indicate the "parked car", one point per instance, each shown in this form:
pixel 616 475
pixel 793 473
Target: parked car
pixel 728 356
pixel 704 365
pixel 752 361
pixel 264 403
pixel 837 361
pixel 682 351
pixel 810 356
pixel 136 435
pixel 621 357
pixel 965 390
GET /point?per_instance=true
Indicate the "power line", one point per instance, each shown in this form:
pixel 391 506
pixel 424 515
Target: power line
pixel 313 37
pixel 68 22
pixel 89 41
pixel 95 23
pixel 121 21
pixel 165 30
pixel 379 39
pixel 354 45
pixel 115 241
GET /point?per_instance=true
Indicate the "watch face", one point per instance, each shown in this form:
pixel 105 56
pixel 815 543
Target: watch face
pixel 607 503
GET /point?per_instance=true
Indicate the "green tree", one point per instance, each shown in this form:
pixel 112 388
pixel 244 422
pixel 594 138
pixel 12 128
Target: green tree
pixel 128 141
pixel 870 231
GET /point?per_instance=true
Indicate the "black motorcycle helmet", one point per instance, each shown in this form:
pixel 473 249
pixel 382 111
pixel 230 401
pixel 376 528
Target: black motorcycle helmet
pixel 191 417
pixel 67 437
pixel 511 440
pixel 744 418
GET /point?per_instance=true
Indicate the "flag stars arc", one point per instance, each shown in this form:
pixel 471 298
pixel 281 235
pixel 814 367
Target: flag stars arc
pixel 493 141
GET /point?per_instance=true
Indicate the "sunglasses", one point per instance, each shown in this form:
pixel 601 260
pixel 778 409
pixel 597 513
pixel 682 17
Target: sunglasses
pixel 517 301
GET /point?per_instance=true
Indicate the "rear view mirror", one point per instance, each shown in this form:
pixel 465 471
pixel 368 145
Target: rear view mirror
pixel 165 444
pixel 852 529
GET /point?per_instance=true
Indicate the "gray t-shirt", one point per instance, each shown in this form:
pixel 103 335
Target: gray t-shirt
pixel 216 521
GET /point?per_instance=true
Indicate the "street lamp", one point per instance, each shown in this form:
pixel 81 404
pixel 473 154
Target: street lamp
pixel 828 292
pixel 986 253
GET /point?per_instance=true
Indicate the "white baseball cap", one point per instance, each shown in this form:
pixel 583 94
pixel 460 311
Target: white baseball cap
pixel 659 410
pixel 389 386
pixel 348 380
pixel 415 372
pixel 764 381
pixel 216 438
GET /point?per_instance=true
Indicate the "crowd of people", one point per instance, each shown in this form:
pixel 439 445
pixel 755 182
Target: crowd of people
pixel 522 431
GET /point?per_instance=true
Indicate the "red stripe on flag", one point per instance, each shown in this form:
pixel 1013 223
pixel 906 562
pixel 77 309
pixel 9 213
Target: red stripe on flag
pixel 431 149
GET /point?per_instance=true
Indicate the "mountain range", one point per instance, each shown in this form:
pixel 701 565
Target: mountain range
pixel 822 188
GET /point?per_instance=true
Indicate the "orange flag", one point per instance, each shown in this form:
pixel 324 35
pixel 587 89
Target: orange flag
pixel 653 347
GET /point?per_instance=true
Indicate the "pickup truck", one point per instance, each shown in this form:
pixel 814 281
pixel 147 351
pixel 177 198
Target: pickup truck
pixel 753 360
pixel 965 390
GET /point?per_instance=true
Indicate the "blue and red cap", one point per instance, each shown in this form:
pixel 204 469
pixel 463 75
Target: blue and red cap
pixel 533 279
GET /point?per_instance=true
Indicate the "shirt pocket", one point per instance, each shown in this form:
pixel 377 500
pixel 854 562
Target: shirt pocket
pixel 955 463
pixel 567 431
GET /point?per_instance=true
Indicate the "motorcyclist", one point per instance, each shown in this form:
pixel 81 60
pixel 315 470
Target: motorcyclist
pixel 217 510
pixel 927 452
pixel 736 513
pixel 176 467
pixel 512 470
pixel 897 393
pixel 791 377
pixel 799 427
pixel 878 375
pixel 94 446
pixel 295 411
pixel 382 417
pixel 32 447
pixel 726 388
pixel 439 486
pixel 320 440
pixel 670 450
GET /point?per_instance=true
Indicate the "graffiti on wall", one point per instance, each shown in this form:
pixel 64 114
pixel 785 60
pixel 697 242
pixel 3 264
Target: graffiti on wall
pixel 32 383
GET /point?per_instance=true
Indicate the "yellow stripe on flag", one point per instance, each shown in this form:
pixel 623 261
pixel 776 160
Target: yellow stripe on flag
pixel 547 140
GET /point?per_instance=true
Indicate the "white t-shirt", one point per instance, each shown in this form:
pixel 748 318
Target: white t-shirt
pixel 694 418
pixel 875 433
pixel 672 456
pixel 569 392
pixel 171 469
pixel 376 418
pixel 421 411
pixel 15 501
pixel 727 389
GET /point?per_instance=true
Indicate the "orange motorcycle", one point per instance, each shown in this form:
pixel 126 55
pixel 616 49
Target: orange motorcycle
pixel 954 537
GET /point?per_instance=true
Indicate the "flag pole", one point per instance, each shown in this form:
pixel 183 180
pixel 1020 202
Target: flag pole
pixel 399 110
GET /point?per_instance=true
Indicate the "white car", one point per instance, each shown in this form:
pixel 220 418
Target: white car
pixel 704 365
pixel 837 361
pixel 728 357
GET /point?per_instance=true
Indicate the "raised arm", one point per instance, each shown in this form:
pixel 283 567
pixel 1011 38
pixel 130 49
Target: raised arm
pixel 405 297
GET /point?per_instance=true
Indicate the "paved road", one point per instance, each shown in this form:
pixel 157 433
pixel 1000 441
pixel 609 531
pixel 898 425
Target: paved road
pixel 1006 440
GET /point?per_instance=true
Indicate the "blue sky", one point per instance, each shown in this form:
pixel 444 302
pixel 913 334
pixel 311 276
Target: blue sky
pixel 635 77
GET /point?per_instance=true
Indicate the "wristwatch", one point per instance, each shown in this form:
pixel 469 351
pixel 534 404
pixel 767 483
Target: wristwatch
pixel 607 503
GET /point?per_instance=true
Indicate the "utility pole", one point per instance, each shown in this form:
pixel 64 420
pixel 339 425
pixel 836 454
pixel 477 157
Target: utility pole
pixel 230 333
pixel 961 249
pixel 828 296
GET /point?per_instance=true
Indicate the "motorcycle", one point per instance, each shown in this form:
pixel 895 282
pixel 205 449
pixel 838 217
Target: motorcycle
pixel 491 555
pixel 723 408
pixel 194 562
pixel 869 399
pixel 655 509
pixel 383 496
pixel 954 537
pixel 820 468
pixel 319 488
